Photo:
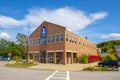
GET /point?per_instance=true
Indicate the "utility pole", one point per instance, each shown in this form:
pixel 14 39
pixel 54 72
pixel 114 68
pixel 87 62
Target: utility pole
pixel 28 45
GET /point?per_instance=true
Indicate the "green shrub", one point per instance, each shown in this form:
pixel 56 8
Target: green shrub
pixel 105 69
pixel 112 56
pixel 17 59
pixel 83 59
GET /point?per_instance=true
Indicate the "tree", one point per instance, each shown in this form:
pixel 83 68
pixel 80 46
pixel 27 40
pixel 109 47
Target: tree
pixel 21 38
pixel 108 45
pixel 3 45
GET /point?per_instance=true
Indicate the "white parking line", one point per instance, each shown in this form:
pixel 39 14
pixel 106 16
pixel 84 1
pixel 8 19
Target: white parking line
pixel 59 75
pixel 68 76
pixel 51 75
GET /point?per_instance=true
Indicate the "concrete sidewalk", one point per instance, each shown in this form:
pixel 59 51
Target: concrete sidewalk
pixel 68 67
pixel 3 63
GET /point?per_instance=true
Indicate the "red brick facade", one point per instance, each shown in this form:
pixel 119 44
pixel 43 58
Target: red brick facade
pixel 59 45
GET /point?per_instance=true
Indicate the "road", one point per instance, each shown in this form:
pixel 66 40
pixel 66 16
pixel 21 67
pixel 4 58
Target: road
pixel 83 75
pixel 30 74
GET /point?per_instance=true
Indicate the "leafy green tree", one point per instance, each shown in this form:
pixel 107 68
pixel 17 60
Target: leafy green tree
pixel 14 48
pixel 3 45
pixel 21 38
pixel 105 46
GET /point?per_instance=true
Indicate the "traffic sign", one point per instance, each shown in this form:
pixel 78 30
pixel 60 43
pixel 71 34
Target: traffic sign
pixel 9 54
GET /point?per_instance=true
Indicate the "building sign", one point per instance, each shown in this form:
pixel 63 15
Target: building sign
pixel 43 32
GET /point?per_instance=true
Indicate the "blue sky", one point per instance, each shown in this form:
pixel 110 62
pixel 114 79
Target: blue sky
pixel 97 19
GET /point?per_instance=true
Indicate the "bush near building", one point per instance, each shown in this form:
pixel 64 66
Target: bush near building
pixel 83 59
pixel 88 59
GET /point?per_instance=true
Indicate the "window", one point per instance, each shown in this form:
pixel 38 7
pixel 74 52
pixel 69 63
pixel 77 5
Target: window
pixel 34 41
pixel 66 37
pixel 38 41
pixel 52 37
pixel 70 39
pixel 61 37
pixel 31 42
pixel 48 39
pixel 43 40
pixel 57 38
pixel 75 41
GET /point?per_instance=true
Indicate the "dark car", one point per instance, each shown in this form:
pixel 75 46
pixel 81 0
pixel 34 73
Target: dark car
pixel 109 63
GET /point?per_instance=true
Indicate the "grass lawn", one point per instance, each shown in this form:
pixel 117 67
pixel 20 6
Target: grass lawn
pixel 20 65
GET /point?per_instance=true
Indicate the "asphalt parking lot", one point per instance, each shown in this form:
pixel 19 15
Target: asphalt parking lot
pixel 7 73
pixel 30 74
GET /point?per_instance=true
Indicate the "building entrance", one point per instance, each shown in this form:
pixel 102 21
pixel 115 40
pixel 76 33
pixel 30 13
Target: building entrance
pixel 50 57
pixel 69 58
pixel 36 57
pixel 43 57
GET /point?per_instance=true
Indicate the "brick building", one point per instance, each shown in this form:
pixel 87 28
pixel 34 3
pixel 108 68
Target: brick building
pixel 51 43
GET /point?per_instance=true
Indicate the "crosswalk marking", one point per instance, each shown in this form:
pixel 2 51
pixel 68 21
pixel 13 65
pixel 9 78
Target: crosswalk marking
pixel 63 75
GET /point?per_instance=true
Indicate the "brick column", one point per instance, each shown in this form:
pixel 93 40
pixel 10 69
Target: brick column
pixel 71 57
pixel 64 58
pixel 46 59
pixel 39 57
pixel 33 57
pixel 54 57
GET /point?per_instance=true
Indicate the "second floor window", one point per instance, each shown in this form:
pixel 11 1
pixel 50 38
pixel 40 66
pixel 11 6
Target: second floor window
pixel 61 37
pixel 52 39
pixel 66 37
pixel 38 41
pixel 31 42
pixel 57 38
pixel 43 40
pixel 48 39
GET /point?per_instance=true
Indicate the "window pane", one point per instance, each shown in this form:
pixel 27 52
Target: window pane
pixel 52 39
pixel 57 38
pixel 66 37
pixel 61 37
pixel 70 38
pixel 38 41
pixel 48 39
pixel 43 40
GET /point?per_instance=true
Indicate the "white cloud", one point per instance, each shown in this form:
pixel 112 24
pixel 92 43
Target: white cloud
pixel 4 35
pixel 71 18
pixel 96 16
pixel 113 36
pixel 8 22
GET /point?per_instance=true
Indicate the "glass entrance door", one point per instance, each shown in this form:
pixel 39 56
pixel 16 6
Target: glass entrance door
pixel 50 57
pixel 43 57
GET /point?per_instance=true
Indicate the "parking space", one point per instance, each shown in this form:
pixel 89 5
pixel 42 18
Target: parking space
pixel 58 75
pixel 23 74
pixel 96 75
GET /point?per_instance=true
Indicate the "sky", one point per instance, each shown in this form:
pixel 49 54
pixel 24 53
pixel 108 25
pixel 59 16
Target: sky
pixel 98 20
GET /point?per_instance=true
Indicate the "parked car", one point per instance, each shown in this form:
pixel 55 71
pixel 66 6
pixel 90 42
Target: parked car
pixel 109 63
pixel 5 59
pixel 1 57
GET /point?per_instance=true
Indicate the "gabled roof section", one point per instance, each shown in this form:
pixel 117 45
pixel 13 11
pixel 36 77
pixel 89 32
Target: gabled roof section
pixel 54 24
pixel 44 22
